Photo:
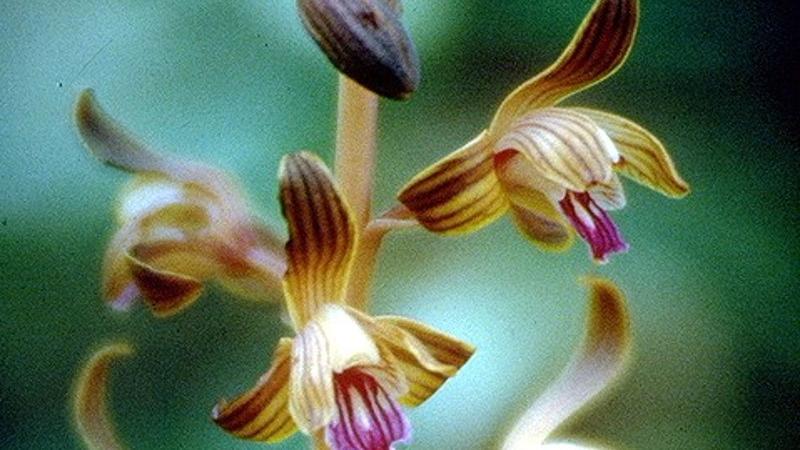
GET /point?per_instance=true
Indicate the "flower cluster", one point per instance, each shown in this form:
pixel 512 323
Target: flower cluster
pixel 345 376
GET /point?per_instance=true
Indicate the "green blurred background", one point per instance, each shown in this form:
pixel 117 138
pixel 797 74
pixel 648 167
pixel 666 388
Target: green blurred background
pixel 712 279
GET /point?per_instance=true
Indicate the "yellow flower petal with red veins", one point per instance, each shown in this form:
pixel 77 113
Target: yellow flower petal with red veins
pixel 164 291
pixel 595 366
pixel 597 50
pixel 564 147
pixel 90 408
pixel 643 158
pixel 426 357
pixel 262 413
pixel 322 237
pixel 533 211
pixel 458 194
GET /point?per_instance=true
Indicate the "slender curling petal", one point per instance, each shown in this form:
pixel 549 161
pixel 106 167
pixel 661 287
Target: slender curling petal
pixel 460 193
pixel 90 398
pixel 110 142
pixel 533 211
pixel 262 413
pixel 322 237
pixel 643 158
pixel 599 362
pixel 597 50
pixel 564 147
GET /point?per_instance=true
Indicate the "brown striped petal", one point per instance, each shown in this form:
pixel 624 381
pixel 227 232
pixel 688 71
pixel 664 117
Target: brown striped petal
pixel 365 40
pixel 595 366
pixel 460 193
pixel 565 147
pixel 330 343
pixel 322 237
pixel 92 418
pixel 597 50
pixel 166 292
pixel 262 413
pixel 532 209
pixel 643 158
pixel 425 356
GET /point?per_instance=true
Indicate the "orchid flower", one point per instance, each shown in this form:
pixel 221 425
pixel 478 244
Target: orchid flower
pixel 594 367
pixel 555 168
pixel 180 224
pixel 342 378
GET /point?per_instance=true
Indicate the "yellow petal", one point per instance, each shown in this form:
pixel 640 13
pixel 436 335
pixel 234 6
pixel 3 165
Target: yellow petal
pixel 166 292
pixel 262 413
pixel 533 211
pixel 118 286
pixel 426 357
pixel 312 400
pixel 600 360
pixel 597 50
pixel 564 146
pixel 458 194
pixel 643 157
pixel 155 200
pixel 91 414
pixel 322 237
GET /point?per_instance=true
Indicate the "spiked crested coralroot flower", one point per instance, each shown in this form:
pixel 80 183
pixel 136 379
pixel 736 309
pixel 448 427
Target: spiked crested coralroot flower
pixel 343 377
pixel 180 224
pixel 595 366
pixel 555 168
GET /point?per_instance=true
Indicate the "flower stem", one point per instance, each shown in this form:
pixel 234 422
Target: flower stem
pixel 356 135
pixel 358 289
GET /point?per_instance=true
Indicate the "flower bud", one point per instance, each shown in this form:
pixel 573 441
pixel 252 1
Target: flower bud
pixel 366 41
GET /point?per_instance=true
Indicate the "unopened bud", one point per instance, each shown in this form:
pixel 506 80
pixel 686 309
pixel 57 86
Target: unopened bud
pixel 366 41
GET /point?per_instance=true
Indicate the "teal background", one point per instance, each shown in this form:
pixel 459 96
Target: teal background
pixel 712 279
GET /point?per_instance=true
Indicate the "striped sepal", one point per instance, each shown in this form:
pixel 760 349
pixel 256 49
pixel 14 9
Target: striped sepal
pixel 599 48
pixel 425 356
pixel 643 158
pixel 458 194
pixel 262 413
pixel 322 237
pixel 90 397
pixel 565 147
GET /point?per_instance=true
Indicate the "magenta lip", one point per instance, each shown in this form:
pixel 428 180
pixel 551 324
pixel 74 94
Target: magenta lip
pixel 593 224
